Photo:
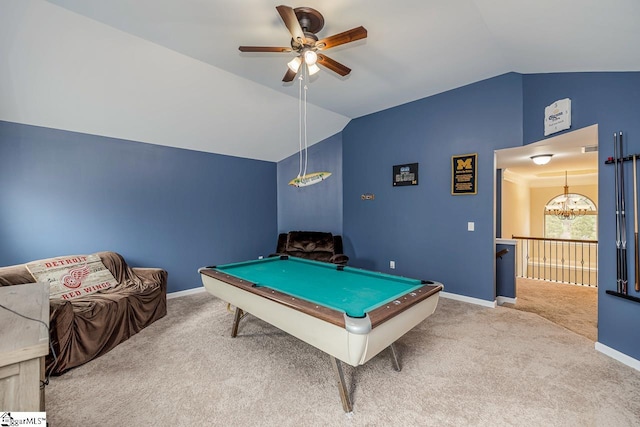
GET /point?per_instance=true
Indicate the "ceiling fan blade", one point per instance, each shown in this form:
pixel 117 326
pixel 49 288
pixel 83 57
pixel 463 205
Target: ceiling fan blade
pixel 334 66
pixel 264 49
pixel 291 21
pixel 289 76
pixel 342 38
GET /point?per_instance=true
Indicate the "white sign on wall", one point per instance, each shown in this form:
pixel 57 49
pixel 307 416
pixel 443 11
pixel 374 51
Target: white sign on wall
pixel 557 116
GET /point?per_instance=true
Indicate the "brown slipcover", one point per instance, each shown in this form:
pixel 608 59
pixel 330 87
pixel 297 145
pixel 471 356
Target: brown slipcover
pixel 85 328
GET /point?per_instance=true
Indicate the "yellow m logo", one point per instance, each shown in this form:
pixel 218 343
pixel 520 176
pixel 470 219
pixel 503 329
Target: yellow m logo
pixel 463 164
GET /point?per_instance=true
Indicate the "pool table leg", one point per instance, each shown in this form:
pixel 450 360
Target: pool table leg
pixel 344 394
pixel 236 321
pixel 394 354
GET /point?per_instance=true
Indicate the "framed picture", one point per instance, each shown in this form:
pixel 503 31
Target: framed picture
pixel 464 172
pixel 557 116
pixel 405 174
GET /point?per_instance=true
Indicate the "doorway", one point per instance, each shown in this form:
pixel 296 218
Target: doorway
pixel 526 190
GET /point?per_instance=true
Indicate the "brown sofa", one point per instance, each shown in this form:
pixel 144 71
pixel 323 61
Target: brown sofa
pixel 85 328
pixel 314 245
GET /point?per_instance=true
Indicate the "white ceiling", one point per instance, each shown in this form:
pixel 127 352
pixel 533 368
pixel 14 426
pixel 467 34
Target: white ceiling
pixel 169 72
pixel 568 156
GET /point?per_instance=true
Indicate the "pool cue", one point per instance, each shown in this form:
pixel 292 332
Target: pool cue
pixel 617 191
pixel 635 224
pixel 623 224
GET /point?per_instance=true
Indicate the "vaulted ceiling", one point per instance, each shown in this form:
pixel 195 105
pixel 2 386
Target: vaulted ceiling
pixel 169 71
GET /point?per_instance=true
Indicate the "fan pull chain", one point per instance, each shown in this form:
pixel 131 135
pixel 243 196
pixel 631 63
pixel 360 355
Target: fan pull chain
pixel 306 154
pixel 300 124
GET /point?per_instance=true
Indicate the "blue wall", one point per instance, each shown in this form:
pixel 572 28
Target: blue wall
pixel 69 193
pixel 424 228
pixel 317 207
pixel 611 100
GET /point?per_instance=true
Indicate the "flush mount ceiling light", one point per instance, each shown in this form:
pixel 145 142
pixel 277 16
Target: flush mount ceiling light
pixel 541 159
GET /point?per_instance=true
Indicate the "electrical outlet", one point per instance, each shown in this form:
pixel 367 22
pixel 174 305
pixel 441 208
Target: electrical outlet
pixel 392 264
pixel 471 226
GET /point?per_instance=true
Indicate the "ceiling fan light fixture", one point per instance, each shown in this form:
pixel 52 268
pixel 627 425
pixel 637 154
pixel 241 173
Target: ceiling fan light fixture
pixel 294 64
pixel 541 159
pixel 303 23
pixel 310 57
pixel 313 68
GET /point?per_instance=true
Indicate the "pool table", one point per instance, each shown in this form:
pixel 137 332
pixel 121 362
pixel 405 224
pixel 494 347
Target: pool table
pixel 352 314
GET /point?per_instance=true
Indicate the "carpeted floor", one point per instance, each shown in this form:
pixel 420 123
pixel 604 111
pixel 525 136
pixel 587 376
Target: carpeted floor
pixel 571 306
pixel 465 365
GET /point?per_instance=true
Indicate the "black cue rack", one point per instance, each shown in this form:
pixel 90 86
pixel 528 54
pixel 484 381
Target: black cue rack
pixel 625 159
pixel 608 291
pixel 621 295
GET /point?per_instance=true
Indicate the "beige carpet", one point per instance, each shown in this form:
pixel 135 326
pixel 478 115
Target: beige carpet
pixel 571 306
pixel 465 365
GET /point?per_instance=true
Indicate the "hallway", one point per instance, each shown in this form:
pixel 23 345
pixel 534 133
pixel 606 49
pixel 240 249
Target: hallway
pixel 571 306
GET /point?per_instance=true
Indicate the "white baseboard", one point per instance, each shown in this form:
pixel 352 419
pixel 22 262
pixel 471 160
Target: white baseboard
pixel 470 300
pixel 620 357
pixel 508 300
pixel 186 292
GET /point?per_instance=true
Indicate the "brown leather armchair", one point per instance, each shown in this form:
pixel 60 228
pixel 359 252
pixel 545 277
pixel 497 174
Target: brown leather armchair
pixel 314 245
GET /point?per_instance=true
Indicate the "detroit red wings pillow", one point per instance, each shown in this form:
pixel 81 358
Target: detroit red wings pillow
pixel 72 276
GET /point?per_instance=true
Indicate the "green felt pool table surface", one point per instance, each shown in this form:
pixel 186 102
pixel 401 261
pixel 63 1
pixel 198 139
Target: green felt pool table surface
pixel 350 290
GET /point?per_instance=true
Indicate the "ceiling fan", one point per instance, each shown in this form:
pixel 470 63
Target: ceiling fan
pixel 303 23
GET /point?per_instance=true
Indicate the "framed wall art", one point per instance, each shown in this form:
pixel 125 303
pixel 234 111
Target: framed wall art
pixel 405 174
pixel 464 172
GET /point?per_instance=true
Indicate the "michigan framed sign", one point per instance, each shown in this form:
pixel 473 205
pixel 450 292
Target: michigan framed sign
pixel 464 173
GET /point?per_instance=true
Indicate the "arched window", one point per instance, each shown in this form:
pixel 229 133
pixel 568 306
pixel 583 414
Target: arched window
pixel 571 216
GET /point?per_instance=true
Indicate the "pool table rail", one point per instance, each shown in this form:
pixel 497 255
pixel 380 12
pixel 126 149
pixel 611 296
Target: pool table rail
pixel 376 316
pixel 327 314
pixel 408 300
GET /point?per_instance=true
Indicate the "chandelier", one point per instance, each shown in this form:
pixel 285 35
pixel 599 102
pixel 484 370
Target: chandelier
pixel 568 206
